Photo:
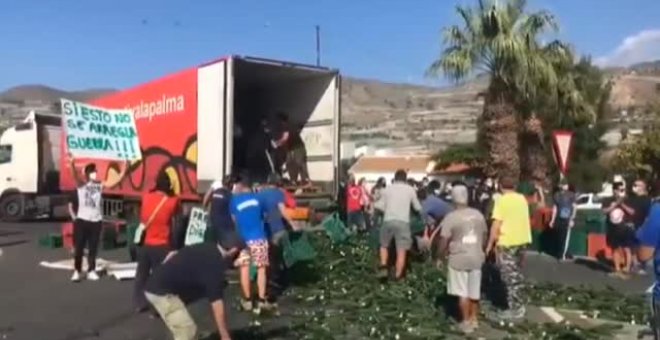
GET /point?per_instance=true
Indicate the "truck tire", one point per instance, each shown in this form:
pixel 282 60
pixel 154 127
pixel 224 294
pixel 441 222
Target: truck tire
pixel 11 207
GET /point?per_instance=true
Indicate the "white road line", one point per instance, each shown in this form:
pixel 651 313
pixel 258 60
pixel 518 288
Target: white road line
pixel 552 313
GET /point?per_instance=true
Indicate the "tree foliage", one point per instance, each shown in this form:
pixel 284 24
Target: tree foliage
pixel 640 155
pixel 469 154
pixel 502 39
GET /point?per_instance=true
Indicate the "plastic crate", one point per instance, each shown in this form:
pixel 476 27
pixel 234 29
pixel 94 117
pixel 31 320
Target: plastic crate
pixel 335 229
pixel 597 246
pixel 578 244
pixel 297 248
pixel 51 240
pixel 536 240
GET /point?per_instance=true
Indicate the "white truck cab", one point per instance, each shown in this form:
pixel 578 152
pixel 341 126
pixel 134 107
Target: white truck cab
pixel 29 167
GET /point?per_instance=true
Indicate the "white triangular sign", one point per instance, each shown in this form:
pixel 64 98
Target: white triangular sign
pixel 563 143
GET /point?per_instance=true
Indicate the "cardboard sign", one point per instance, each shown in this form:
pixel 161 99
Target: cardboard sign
pixel 98 133
pixel 196 227
pixel 562 142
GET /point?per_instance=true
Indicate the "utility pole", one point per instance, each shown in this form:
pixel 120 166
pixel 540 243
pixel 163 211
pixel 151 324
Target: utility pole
pixel 318 45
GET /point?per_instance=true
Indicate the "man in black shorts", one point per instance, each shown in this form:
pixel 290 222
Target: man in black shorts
pixel 186 275
pixel 620 230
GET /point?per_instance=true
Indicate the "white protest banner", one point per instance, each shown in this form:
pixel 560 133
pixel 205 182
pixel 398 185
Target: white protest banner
pixel 98 133
pixel 196 227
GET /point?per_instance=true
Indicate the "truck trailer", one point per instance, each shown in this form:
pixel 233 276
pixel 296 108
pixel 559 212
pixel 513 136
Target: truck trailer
pixel 190 125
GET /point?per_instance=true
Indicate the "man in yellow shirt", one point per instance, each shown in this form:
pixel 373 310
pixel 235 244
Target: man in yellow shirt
pixel 509 236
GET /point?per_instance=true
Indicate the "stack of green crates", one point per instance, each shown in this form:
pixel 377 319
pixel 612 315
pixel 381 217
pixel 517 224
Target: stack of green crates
pixel 586 222
pixel 592 221
pixel 51 240
pixel 536 240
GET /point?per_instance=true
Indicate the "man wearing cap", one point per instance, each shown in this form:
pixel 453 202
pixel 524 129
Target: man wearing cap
pixel 463 234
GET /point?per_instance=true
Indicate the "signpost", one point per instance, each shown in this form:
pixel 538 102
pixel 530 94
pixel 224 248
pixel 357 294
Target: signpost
pixel 98 133
pixel 563 141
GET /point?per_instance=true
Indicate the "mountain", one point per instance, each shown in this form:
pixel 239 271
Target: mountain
pixel 45 94
pixel 407 118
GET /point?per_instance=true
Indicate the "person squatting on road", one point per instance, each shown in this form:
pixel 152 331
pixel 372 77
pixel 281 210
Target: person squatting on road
pixel 463 235
pixel 159 207
pixel 395 202
pixel 510 234
pixel 187 275
pixel 86 211
pixel 247 212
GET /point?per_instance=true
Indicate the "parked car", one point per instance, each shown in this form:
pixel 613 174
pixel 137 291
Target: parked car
pixel 590 201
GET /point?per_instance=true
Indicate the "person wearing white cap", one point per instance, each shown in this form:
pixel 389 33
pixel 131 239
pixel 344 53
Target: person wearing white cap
pixel 463 237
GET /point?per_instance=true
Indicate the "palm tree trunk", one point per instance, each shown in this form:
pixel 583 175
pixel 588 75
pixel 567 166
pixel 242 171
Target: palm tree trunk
pixel 499 135
pixel 534 165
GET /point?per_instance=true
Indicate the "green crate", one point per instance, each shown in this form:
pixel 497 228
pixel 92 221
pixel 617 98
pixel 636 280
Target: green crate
pixel 296 248
pixel 579 243
pixel 536 240
pixel 417 225
pixel 374 237
pixel 108 238
pixel 335 229
pixel 51 240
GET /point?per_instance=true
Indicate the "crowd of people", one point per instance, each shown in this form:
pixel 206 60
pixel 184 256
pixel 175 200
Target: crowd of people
pixel 246 226
pixel 468 229
pixel 486 225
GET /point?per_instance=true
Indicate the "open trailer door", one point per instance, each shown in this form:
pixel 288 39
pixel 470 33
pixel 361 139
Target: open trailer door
pixel 308 95
pixel 214 122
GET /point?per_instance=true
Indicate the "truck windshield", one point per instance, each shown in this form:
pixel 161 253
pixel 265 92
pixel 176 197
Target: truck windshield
pixel 5 154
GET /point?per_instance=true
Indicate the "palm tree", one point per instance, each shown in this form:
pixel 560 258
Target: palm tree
pixel 502 40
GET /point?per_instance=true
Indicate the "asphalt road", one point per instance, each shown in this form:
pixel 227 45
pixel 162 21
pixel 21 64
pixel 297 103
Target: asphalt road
pixel 41 303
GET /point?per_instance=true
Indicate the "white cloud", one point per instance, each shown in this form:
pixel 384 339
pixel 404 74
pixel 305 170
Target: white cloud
pixel 642 46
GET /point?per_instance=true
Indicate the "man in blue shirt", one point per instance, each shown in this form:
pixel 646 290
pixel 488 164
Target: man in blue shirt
pixel 272 199
pixel 648 237
pixel 247 213
pixel 434 209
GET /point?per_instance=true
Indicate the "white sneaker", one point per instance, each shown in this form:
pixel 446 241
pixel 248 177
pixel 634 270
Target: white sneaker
pixel 93 276
pixel 75 277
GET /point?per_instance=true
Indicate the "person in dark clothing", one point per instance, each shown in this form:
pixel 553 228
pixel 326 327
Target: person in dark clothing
pixel 272 199
pixel 189 274
pixel 223 231
pixel 563 217
pixel 641 203
pixel 261 159
pixel 157 215
pixel 290 143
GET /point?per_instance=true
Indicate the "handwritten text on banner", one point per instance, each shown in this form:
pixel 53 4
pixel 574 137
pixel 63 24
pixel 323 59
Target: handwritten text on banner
pixel 94 132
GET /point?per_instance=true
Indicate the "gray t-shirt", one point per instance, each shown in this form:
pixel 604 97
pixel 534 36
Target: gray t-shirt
pixel 89 202
pixel 465 229
pixel 396 201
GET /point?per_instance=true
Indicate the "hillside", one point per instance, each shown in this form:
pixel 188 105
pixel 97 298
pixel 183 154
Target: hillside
pixel 408 118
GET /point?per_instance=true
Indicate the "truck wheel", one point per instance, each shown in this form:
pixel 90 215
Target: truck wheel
pixel 11 207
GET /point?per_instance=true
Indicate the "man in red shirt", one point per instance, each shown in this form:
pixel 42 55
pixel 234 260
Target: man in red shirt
pixel 354 213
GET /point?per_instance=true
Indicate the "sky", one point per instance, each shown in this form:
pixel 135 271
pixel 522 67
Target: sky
pixel 79 44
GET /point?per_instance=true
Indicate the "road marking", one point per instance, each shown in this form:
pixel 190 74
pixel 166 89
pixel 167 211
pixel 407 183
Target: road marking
pixel 552 314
